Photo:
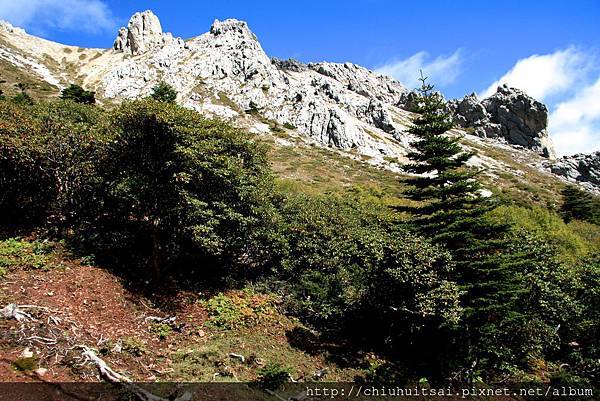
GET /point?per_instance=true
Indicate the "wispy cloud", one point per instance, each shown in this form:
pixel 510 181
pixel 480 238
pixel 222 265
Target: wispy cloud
pixel 575 122
pixel 544 75
pixel 443 70
pixel 569 81
pixel 92 16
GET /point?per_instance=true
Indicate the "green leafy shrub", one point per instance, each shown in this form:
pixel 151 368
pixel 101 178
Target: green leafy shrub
pixel 549 226
pixel 273 375
pixel 162 330
pixel 134 346
pixel 238 309
pixel 348 262
pixel 47 158
pixel 15 252
pixel 178 190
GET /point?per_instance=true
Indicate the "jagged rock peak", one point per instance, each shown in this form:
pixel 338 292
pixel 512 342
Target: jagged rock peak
pixel 143 33
pixel 510 115
pixel 233 26
pixel 362 81
pixel 289 64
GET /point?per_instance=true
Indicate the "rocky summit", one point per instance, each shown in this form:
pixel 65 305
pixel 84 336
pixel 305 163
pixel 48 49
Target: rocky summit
pixel 225 73
pixel 509 115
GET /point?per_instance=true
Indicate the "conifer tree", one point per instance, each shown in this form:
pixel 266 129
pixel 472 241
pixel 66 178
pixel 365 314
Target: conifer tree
pixel 77 94
pixel 163 92
pixel 580 205
pixel 451 212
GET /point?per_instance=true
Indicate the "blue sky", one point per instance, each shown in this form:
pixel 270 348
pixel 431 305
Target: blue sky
pixel 551 49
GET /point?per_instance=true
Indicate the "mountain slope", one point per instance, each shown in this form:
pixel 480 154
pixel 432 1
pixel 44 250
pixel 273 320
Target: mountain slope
pixel 225 73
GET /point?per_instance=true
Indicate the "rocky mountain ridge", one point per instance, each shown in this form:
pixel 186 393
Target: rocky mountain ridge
pixel 226 73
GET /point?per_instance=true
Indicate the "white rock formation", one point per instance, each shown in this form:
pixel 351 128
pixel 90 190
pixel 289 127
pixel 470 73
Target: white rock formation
pixel 143 33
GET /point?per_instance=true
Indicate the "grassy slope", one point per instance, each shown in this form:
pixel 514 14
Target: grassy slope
pixel 12 75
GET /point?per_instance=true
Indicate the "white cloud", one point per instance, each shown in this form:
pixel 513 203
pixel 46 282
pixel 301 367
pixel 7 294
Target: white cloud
pixel 441 70
pixel 575 122
pixel 544 75
pixel 76 15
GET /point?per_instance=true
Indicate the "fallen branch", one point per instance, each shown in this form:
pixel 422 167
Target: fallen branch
pixel 158 319
pixel 109 374
pixel 238 356
pixel 14 311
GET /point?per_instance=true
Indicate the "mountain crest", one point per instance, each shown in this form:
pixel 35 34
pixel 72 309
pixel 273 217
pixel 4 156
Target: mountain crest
pixel 143 33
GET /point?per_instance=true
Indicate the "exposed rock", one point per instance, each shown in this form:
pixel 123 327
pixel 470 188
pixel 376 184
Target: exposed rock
pixel 380 116
pixel 8 27
pixel 289 64
pixel 362 81
pixel 224 71
pixel 143 33
pixel 580 168
pixel 508 114
pixel 408 101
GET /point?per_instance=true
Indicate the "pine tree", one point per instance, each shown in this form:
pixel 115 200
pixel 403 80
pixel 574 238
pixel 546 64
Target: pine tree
pixel 163 92
pixel 580 205
pixel 452 212
pixel 77 94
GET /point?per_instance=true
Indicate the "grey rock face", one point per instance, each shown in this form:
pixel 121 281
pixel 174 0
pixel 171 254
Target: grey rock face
pixel 143 33
pixel 508 114
pixel 362 81
pixel 581 168
pixel 289 64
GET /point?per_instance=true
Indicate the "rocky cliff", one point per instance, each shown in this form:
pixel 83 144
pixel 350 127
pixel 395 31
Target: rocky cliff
pixel 509 115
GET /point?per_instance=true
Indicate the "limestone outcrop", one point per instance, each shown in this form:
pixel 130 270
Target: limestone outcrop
pixel 509 115
pixel 143 33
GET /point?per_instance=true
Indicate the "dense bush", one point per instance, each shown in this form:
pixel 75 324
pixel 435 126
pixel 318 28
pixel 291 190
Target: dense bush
pixel 163 92
pixel 573 241
pixel 48 153
pixel 178 189
pixel 348 260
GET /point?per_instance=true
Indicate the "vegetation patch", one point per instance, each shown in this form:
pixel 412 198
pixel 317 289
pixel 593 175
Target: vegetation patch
pixel 19 253
pixel 236 309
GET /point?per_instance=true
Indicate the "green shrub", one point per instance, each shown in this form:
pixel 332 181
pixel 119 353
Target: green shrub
pixel 178 190
pixel 163 92
pixel 238 309
pixel 78 95
pixel 134 346
pixel 18 253
pixel 273 375
pixel 549 226
pixel 47 158
pixel 346 258
pixel 162 330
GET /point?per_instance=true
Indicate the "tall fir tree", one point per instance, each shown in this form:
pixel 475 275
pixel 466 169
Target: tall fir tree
pixel 451 211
